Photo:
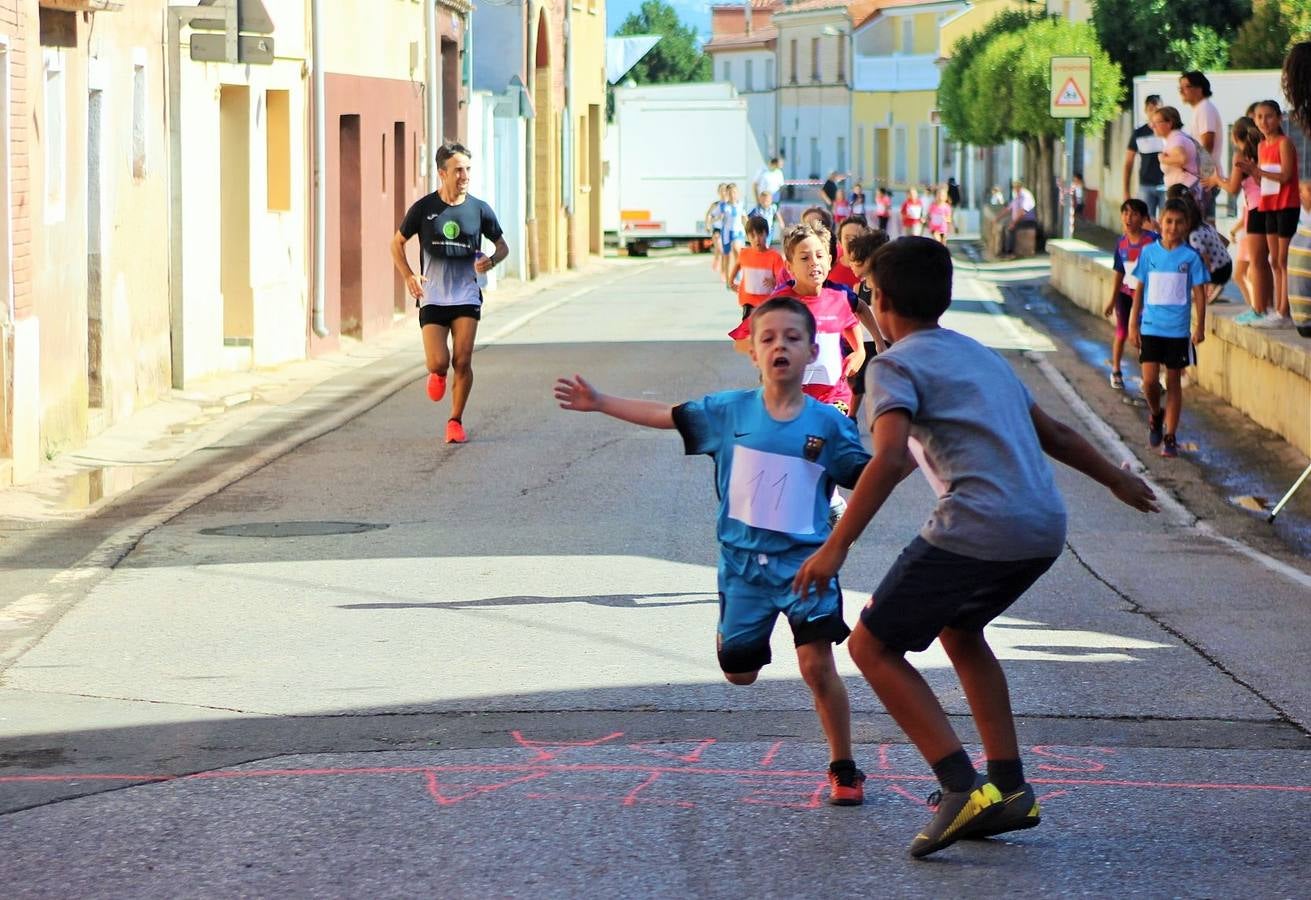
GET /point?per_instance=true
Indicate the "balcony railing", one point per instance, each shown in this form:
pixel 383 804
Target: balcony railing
pixel 896 73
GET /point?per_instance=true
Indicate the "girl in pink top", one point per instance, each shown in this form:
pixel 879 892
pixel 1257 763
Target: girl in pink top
pixel 1252 261
pixel 939 217
pixel 1277 210
pixel 912 213
pixel 841 206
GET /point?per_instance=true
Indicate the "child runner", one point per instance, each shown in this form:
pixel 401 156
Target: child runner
pixel 820 218
pixel 860 256
pixel 939 217
pixel 841 206
pixel 735 229
pixel 799 450
pixel 1206 241
pixel 882 208
pixel 715 225
pixel 763 270
pixel 1277 209
pixel 768 210
pixel 1133 216
pixel 841 272
pixel 994 532
pixel 1170 275
pixel 912 213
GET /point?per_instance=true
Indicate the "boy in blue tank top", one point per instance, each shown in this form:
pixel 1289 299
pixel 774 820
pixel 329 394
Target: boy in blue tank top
pixel 778 456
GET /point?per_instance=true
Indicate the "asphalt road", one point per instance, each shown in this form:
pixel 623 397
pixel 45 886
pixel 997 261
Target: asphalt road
pixel 506 685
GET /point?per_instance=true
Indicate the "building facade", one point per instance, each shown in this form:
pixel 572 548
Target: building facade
pixel 743 52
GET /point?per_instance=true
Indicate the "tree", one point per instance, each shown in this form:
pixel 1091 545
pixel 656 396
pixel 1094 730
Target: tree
pixel 1203 50
pixel 1138 33
pixel 677 58
pixel 1261 42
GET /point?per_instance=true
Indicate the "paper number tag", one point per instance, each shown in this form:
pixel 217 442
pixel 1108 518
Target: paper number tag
pixel 758 281
pixel 772 491
pixel 1269 187
pixel 1167 289
pixel 1130 279
pixel 827 367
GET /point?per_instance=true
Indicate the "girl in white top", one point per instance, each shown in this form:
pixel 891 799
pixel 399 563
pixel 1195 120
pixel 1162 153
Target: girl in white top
pixel 1252 261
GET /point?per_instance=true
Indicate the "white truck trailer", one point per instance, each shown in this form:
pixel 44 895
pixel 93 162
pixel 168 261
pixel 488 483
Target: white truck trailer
pixel 668 149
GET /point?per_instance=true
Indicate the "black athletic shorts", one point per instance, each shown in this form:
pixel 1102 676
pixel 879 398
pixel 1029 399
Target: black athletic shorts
pixel 1171 352
pixel 1282 222
pixel 857 381
pixel 928 589
pixel 1223 274
pixel 445 315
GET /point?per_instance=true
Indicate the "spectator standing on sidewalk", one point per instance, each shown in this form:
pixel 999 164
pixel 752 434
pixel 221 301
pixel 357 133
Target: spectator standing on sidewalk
pixel 1179 155
pixel 1145 144
pixel 770 178
pixel 1278 209
pixel 1206 127
pixel 1252 259
pixel 450 224
pixel 1297 89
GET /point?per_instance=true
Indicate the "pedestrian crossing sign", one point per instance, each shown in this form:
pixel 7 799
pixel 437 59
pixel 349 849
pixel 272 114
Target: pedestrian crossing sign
pixel 1071 87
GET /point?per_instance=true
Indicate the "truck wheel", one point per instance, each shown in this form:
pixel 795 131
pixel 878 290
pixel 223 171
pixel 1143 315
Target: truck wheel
pixel 637 248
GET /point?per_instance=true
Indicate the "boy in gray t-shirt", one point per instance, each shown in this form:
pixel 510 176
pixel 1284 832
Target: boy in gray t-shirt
pixel 998 525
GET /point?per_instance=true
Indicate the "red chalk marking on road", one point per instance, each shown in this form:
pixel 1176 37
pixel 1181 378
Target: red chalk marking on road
pixel 544 755
pixel 630 799
pixel 608 798
pixel 1089 765
pixel 1050 794
pixel 814 799
pixel 884 764
pixel 768 759
pixel 695 756
pixel 435 788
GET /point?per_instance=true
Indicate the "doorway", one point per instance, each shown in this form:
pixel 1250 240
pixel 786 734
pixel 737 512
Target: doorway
pixel 94 248
pixel 234 217
pixel 351 250
pixel 399 207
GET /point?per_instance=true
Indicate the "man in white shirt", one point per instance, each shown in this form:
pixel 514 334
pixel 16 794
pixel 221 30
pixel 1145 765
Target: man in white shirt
pixel 1020 209
pixel 769 179
pixel 1207 127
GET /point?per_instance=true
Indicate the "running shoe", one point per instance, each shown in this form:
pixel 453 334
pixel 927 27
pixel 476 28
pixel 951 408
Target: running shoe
pixel 1019 810
pixel 1251 317
pixel 1156 430
pixel 846 784
pixel 1273 320
pixel 836 507
pixel 1170 449
pixel 1117 381
pixel 960 814
pixel 455 432
pixel 436 386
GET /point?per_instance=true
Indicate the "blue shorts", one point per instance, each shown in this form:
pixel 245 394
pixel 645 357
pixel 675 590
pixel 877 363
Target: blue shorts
pixel 730 238
pixel 753 589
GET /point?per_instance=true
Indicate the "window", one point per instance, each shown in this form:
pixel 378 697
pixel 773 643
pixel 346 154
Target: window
pixel 277 113
pixel 907 35
pixel 792 51
pixel 814 158
pixel 842 154
pixel 749 81
pixel 769 74
pixel 899 153
pixel 842 58
pixel 56 133
pixel 860 153
pixel 814 59
pixel 793 156
pixel 926 147
pixel 728 70
pixel 139 118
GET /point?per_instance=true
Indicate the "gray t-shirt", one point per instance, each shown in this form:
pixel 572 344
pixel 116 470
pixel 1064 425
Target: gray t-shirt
pixel 971 413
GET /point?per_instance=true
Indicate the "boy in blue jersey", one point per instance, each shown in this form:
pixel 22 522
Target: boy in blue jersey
pixel 778 455
pixel 998 525
pixel 1172 283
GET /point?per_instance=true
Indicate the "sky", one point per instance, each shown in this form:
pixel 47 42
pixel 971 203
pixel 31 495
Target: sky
pixel 695 13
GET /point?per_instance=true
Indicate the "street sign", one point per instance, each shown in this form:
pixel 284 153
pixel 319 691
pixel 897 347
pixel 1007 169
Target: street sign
pixel 1071 87
pixel 252 17
pixel 252 49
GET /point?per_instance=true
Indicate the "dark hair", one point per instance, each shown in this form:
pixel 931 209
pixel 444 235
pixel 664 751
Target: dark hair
pixel 1198 80
pixel 1183 195
pixel 449 149
pixel 830 236
pixel 1297 84
pixel 825 216
pixel 775 159
pixel 1279 113
pixel 1179 207
pixel 1171 115
pixel 785 304
pixel 863 246
pixel 1246 131
pixel 853 219
pixel 914 273
pixel 1138 206
pixel 1152 100
pixel 757 225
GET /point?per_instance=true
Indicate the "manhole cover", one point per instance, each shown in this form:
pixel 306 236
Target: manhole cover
pixel 290 529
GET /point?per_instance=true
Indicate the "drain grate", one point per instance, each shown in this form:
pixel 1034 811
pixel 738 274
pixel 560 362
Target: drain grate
pixel 291 529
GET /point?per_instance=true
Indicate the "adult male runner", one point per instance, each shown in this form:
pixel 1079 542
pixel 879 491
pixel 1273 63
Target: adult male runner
pixel 450 224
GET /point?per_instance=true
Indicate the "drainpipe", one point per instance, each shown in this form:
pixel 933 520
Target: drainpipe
pixel 320 171
pixel 175 255
pixel 434 92
pixel 530 147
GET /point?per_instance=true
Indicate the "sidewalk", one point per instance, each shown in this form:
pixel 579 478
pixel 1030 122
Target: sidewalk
pixel 82 482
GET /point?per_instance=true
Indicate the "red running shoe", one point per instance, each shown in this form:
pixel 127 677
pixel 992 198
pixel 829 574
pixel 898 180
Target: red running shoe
pixel 436 386
pixel 846 784
pixel 455 432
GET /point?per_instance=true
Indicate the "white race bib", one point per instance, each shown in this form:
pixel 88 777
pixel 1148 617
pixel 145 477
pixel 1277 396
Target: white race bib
pixel 758 281
pixel 772 491
pixel 827 367
pixel 914 212
pixel 1150 144
pixel 1167 289
pixel 1130 279
pixel 1270 187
